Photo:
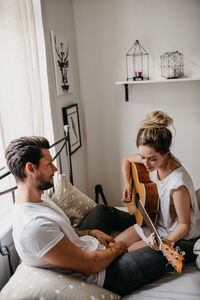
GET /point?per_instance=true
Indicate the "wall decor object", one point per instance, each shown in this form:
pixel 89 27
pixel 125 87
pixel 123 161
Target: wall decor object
pixel 62 63
pixel 71 118
pixel 137 62
pixel 172 65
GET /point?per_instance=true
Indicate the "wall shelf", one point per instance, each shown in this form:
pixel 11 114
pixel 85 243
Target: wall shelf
pixel 127 83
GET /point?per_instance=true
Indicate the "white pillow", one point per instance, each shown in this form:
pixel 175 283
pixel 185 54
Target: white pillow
pixel 75 204
pixel 35 283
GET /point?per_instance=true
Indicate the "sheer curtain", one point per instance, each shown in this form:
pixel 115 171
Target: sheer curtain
pixel 24 98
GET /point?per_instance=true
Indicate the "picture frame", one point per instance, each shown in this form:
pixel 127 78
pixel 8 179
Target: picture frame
pixel 62 63
pixel 71 118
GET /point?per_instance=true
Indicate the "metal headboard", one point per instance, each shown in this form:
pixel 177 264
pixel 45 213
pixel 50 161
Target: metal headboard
pixel 57 155
pixel 4 249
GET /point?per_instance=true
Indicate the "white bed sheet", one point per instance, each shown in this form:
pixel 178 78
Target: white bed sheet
pixel 171 286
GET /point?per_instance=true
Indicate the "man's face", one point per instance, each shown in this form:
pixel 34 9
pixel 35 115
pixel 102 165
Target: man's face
pixel 45 171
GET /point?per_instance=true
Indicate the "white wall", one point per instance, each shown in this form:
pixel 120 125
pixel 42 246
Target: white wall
pixel 105 30
pixel 58 16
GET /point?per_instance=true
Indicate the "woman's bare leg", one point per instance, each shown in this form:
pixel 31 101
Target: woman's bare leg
pixel 128 236
pixel 132 240
pixel 137 245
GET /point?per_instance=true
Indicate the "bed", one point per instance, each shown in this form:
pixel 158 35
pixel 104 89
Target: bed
pixel 33 283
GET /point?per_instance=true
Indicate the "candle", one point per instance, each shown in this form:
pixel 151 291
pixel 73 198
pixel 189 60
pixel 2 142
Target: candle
pixel 138 74
pixel 172 72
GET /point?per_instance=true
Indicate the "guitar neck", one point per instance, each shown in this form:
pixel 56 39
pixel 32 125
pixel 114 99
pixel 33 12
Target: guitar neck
pixel 147 220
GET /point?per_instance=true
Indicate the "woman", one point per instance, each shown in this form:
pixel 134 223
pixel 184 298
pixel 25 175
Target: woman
pixel 179 216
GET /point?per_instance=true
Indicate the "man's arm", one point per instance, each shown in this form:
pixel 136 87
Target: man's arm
pixel 102 237
pixel 67 255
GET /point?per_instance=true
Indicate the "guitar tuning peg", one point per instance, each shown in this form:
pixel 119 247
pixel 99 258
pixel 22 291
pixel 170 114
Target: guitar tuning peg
pixel 177 248
pixel 182 253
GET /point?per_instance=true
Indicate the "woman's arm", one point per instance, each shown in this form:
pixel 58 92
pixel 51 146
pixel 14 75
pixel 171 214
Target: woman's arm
pixel 182 203
pixel 126 165
pixel 181 200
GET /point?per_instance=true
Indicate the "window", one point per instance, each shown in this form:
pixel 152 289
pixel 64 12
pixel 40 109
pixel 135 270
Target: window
pixel 24 99
pixel 6 201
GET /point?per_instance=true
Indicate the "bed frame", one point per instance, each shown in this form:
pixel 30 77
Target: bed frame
pixel 184 286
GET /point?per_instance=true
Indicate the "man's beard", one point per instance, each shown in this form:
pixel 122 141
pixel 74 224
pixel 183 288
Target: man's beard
pixel 43 184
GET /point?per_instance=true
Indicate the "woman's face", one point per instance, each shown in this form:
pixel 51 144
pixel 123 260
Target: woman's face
pixel 152 159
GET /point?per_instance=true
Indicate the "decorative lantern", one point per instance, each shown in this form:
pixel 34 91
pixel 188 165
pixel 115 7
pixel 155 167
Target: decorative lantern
pixel 137 62
pixel 172 65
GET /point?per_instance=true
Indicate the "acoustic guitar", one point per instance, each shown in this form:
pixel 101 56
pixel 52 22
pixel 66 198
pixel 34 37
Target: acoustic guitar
pixel 148 194
pixel 144 192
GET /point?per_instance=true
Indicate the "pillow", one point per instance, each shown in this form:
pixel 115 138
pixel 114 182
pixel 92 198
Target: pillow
pixel 196 251
pixel 75 204
pixel 34 283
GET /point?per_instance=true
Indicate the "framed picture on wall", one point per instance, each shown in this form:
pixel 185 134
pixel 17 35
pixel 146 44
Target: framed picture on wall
pixel 71 118
pixel 62 63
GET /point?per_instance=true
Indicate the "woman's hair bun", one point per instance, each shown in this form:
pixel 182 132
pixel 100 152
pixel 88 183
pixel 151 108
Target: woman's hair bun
pixel 157 119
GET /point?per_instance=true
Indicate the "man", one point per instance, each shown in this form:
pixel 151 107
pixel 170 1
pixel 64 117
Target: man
pixel 44 237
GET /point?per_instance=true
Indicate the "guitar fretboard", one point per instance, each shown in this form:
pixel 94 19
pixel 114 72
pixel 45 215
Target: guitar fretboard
pixel 147 219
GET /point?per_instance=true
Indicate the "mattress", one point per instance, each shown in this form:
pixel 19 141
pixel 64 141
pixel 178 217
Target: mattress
pixel 179 286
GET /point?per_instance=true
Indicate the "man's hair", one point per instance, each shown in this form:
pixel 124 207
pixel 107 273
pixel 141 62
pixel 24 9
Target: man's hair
pixel 23 150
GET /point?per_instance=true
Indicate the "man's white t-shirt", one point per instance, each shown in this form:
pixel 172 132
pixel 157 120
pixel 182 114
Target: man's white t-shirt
pixel 38 227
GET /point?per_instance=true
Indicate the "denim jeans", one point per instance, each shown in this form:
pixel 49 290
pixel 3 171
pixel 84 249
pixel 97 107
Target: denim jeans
pixel 107 219
pixel 134 269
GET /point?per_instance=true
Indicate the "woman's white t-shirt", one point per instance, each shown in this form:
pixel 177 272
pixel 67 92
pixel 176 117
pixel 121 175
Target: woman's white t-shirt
pixel 38 227
pixel 164 225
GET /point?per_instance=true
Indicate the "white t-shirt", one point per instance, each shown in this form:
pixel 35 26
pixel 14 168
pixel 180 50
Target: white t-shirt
pixel 164 223
pixel 38 227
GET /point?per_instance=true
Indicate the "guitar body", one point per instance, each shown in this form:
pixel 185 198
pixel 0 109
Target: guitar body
pixel 147 192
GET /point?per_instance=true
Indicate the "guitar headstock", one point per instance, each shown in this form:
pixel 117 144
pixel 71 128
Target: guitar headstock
pixel 173 256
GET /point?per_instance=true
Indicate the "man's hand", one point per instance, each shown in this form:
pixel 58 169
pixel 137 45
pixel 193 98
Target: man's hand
pixel 121 246
pixel 102 237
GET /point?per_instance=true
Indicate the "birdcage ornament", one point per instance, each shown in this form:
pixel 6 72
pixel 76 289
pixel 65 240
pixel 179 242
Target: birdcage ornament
pixel 172 65
pixel 137 62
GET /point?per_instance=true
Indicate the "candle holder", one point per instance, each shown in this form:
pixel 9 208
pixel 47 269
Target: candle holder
pixel 137 62
pixel 172 65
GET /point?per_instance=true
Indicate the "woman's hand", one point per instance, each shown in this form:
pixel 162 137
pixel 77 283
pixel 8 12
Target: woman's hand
pixel 127 193
pixel 152 242
pixel 102 237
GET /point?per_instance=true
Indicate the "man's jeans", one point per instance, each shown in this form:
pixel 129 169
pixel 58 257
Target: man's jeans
pixel 134 269
pixel 107 219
